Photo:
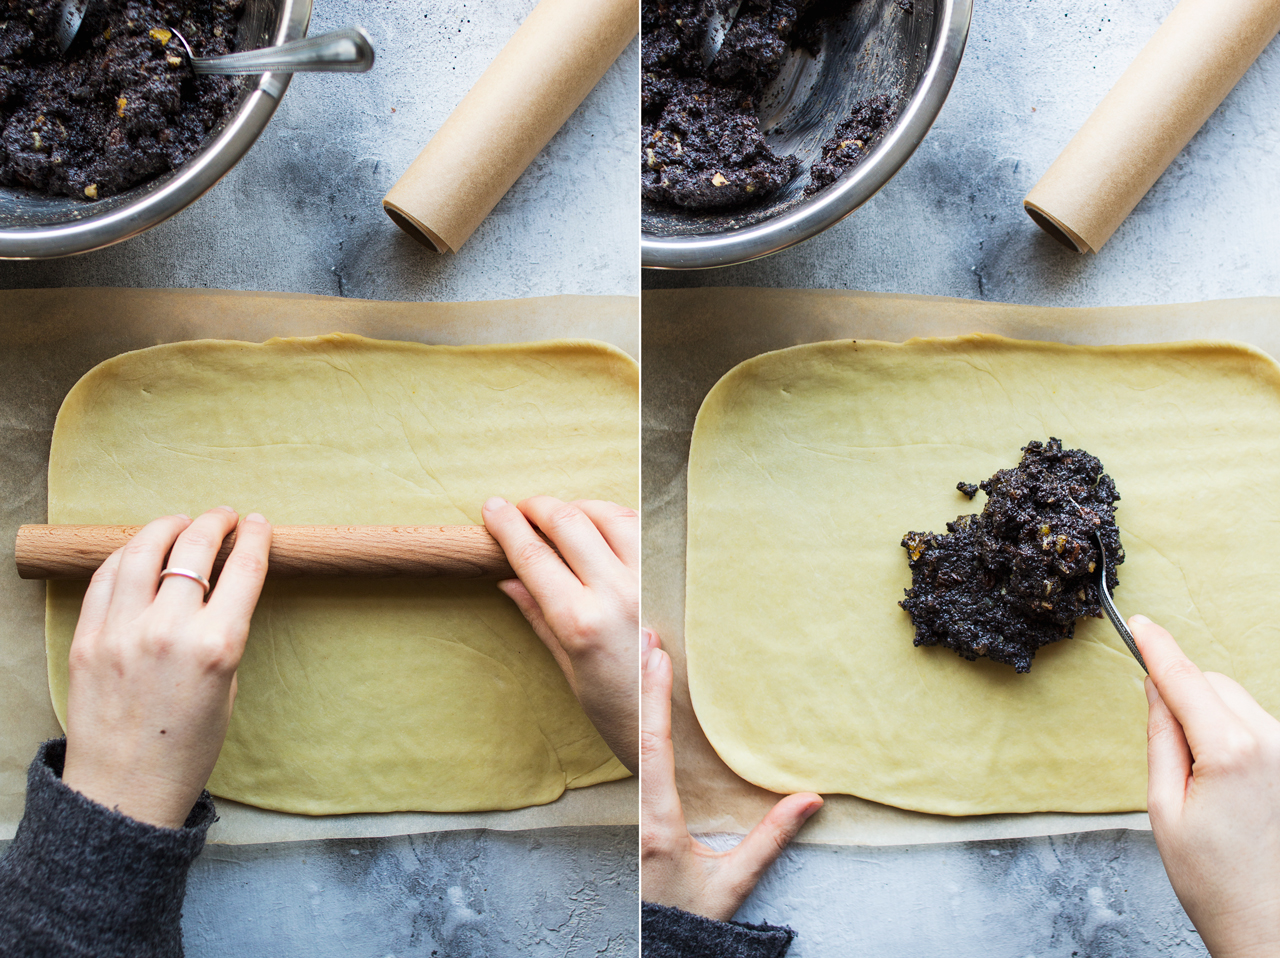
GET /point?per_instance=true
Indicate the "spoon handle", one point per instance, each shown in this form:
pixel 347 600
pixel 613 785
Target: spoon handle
pixel 342 51
pixel 1109 606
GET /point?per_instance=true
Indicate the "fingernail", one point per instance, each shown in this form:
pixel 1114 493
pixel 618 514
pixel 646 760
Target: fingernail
pixel 649 639
pixel 493 503
pixel 811 809
pixel 255 517
pixel 183 515
pixel 1152 694
pixel 652 660
pixel 1137 620
pixel 227 509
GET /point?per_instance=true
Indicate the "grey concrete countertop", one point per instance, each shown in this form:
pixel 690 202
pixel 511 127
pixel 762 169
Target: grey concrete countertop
pixel 1090 895
pixel 951 223
pixel 301 213
pixel 472 894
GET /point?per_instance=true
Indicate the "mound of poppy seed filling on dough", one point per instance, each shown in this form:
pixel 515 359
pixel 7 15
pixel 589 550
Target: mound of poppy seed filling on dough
pixel 121 106
pixel 1016 577
pixel 701 145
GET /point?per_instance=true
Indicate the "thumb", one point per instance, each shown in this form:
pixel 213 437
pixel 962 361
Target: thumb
pixel 764 843
pixel 1168 760
pixel 517 592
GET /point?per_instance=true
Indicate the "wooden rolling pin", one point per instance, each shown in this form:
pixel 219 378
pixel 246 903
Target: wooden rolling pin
pixel 460 552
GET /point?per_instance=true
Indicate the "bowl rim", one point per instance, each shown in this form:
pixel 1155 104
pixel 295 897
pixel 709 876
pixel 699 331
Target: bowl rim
pixel 710 250
pixel 192 180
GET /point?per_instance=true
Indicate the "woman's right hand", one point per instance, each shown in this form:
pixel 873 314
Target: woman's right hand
pixel 676 870
pixel 153 665
pixel 1213 796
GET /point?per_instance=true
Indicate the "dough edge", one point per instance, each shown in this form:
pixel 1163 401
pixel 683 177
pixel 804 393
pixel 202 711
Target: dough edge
pixel 610 770
pixel 736 754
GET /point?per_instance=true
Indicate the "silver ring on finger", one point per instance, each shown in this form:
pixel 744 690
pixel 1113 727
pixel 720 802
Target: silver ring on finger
pixel 187 574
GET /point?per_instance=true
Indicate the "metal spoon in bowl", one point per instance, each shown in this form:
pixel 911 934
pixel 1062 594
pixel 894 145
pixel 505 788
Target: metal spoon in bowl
pixel 70 16
pixel 721 15
pixel 342 51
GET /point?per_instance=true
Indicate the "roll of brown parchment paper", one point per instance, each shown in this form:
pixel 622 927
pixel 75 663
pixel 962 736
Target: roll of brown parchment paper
pixel 557 56
pixel 1199 53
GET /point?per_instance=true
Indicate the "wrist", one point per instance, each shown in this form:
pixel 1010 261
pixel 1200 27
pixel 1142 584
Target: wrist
pixel 1231 946
pixel 137 797
pixel 1251 932
pixel 1263 950
pixel 686 889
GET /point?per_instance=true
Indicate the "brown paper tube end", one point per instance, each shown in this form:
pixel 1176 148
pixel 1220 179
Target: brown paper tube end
pixel 1062 233
pixel 415 229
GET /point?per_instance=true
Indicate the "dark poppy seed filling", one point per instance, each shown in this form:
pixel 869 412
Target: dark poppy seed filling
pixel 121 106
pixel 1016 577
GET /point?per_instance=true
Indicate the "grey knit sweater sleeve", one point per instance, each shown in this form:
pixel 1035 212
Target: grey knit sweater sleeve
pixel 672 933
pixel 82 880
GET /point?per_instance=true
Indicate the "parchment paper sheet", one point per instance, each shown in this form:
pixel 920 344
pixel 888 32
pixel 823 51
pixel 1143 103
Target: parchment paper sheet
pixel 50 338
pixel 691 339
pixel 1178 79
pixel 554 60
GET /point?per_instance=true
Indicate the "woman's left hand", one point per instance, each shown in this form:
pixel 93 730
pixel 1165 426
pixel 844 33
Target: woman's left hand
pixel 676 869
pixel 585 606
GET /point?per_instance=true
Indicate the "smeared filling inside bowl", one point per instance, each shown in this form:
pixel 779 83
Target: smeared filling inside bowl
pixel 701 144
pixel 121 106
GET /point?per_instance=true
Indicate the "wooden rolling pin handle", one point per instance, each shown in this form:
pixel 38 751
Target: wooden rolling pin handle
pixel 466 552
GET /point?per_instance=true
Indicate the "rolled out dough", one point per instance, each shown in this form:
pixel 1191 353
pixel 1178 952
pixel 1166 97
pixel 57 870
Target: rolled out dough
pixel 807 467
pixel 363 695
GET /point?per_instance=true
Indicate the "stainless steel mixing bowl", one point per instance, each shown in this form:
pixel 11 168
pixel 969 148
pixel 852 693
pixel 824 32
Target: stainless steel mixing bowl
pixel 34 226
pixel 878 47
